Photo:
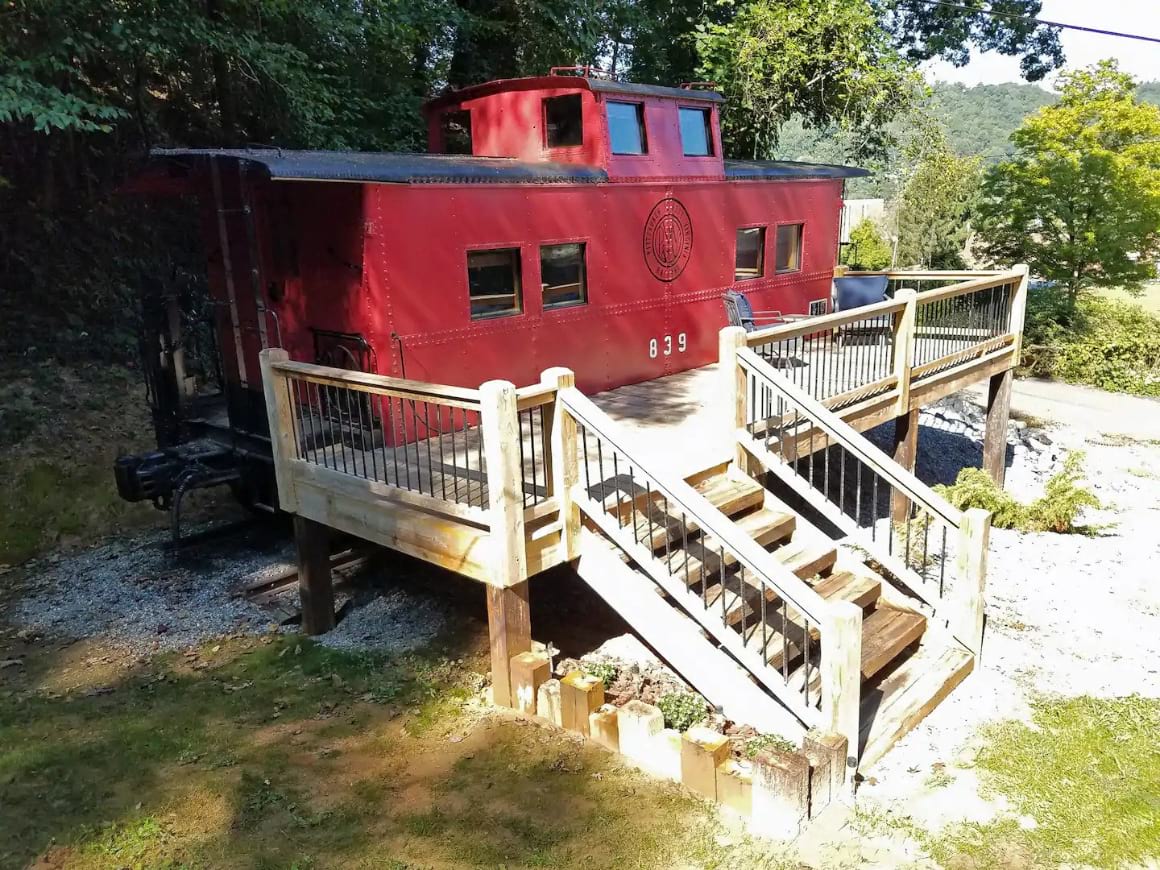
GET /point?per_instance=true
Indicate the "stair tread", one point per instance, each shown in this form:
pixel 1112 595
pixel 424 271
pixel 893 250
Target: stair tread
pixel 848 586
pixel 806 558
pixel 904 698
pixel 729 495
pixel 885 633
pixel 704 557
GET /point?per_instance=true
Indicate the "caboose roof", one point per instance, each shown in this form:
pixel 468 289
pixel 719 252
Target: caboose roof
pixel 405 168
pixel 590 83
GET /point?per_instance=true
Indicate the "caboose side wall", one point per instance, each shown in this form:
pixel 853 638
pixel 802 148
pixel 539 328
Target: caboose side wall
pixel 632 326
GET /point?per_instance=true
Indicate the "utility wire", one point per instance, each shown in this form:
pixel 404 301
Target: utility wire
pixel 1014 16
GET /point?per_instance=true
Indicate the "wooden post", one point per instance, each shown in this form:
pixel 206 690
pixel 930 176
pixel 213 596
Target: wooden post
pixel 581 695
pixel 827 756
pixel 781 793
pixel 905 454
pixel 995 434
pixel 565 461
pixel 315 588
pixel 280 414
pixel 842 677
pixel 966 621
pixel 529 671
pixel 702 750
pixel 500 428
pixel 509 620
pixel 509 626
pixel 730 340
pixel 904 346
pixel 1019 309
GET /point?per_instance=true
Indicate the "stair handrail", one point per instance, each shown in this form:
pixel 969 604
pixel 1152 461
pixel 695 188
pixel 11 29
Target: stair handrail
pixel 964 615
pixel 749 553
pixel 852 439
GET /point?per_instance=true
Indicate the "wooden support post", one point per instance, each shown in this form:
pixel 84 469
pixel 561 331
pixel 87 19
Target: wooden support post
pixel 733 383
pixel 842 677
pixel 827 756
pixel 280 415
pixel 509 625
pixel 1019 309
pixel 529 670
pixel 966 622
pixel 781 792
pixel 637 724
pixel 603 727
pixel 995 434
pixel 508 614
pixel 500 428
pixel 315 587
pixel 735 785
pixel 702 750
pixel 904 346
pixel 905 454
pixel 565 461
pixel 581 695
pixel 548 703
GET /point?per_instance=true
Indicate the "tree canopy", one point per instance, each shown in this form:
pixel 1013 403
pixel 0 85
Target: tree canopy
pixel 1080 199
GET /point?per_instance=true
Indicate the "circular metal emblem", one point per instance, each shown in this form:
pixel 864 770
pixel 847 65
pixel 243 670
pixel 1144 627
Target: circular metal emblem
pixel 668 239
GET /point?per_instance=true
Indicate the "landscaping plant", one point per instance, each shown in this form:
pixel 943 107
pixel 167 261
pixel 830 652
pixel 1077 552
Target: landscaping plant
pixel 682 710
pixel 1056 511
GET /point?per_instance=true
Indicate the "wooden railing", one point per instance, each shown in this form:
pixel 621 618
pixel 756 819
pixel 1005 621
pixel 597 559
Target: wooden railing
pixel 678 538
pixel 918 336
pixel 933 549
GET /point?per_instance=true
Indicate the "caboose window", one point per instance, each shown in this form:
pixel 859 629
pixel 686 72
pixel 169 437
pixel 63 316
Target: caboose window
pixel 626 128
pixel 563 127
pixel 562 275
pixel 696 137
pixel 788 257
pixel 750 259
pixel 493 282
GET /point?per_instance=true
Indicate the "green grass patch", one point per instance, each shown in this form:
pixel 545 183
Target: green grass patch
pixel 1087 772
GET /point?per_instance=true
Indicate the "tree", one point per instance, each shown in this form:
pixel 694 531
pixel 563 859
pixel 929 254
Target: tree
pixel 867 249
pixel 935 205
pixel 1080 200
pixel 826 62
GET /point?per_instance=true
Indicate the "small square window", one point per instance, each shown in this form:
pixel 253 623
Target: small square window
pixel 493 282
pixel 750 260
pixel 562 274
pixel 696 133
pixel 456 127
pixel 788 257
pixel 563 121
pixel 626 128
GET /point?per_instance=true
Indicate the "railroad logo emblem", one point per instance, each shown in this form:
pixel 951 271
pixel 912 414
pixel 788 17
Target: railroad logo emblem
pixel 668 239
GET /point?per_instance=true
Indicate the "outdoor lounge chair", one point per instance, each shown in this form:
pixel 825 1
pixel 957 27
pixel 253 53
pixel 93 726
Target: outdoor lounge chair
pixel 856 291
pixel 740 312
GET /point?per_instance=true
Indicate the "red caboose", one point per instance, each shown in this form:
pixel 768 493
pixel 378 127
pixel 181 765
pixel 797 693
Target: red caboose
pixel 559 220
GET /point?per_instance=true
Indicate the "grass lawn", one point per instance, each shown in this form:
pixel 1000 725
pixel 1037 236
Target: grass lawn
pixel 1149 299
pixel 276 752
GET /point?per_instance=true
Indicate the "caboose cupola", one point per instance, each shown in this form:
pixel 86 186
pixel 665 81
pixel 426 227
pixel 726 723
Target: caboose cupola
pixel 628 130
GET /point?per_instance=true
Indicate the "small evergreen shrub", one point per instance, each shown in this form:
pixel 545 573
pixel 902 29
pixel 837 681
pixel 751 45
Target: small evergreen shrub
pixel 767 741
pixel 1056 511
pixel 683 710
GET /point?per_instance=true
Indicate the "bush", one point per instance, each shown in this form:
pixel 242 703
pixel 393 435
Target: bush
pixel 606 672
pixel 1055 511
pixel 867 249
pixel 1098 342
pixel 683 710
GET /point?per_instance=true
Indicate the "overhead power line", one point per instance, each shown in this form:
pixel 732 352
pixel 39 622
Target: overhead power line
pixel 1043 21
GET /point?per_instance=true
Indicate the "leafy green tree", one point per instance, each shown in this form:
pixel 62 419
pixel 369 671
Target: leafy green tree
pixel 825 62
pixel 867 249
pixel 1080 200
pixel 934 208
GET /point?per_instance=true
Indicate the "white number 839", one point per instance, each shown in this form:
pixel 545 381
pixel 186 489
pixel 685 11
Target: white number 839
pixel 682 345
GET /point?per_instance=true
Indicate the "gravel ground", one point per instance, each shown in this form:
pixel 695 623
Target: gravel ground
pixel 393 622
pixel 1067 615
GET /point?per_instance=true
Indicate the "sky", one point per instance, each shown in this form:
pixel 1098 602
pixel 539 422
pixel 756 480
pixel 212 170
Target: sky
pixel 1141 59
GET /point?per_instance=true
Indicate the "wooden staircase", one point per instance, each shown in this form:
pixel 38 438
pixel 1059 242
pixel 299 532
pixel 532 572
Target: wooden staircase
pixel 905 668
